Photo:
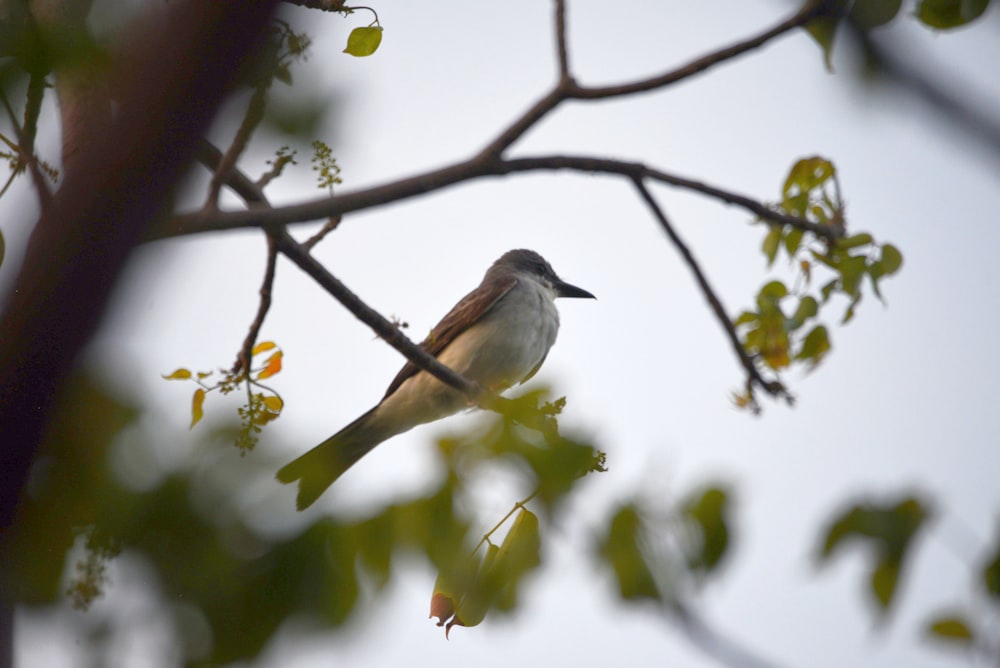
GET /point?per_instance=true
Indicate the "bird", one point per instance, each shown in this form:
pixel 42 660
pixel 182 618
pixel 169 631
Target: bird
pixel 498 335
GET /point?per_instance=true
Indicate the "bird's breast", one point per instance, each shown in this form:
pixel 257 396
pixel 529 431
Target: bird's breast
pixel 510 341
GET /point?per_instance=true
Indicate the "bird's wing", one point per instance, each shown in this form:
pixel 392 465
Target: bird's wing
pixel 470 309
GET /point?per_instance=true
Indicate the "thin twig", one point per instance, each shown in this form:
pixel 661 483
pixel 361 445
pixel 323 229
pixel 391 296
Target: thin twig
pixel 561 48
pixel 27 156
pixel 808 12
pixel 322 5
pixel 520 504
pixel 772 387
pixel 328 226
pixel 253 195
pixel 246 352
pixel 709 641
pixel 251 119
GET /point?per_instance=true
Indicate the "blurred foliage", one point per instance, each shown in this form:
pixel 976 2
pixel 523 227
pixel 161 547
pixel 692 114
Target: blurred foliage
pixel 262 407
pixel 888 529
pixel 784 329
pixel 866 15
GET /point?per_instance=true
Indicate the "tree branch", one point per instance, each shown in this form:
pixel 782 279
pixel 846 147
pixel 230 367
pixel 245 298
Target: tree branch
pixel 772 387
pixel 181 69
pixel 299 254
pixel 808 12
pixel 466 170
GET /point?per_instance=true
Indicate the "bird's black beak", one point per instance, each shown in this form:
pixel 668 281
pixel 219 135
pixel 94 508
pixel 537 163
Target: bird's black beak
pixel 566 290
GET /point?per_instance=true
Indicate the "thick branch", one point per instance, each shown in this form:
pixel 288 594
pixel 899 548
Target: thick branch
pixel 181 70
pixel 467 170
pixel 772 387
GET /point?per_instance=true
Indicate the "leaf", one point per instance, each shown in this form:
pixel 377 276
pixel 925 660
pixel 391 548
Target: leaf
pixel 885 576
pixel 262 346
pixel 745 318
pixel 815 346
pixel 808 308
pixel 273 403
pixel 868 14
pixel 861 239
pixel 889 530
pixel 891 260
pixel 807 174
pixel 364 41
pixel 518 554
pixel 793 240
pixel 180 374
pixel 823 30
pixel 771 243
pixel 991 574
pixel 475 603
pixel 708 511
pixel 271 367
pixel 851 271
pixel 620 549
pixel 771 292
pixel 196 407
pixel 952 628
pixel 944 14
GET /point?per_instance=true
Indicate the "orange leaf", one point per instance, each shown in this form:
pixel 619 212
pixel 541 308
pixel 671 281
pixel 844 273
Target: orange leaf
pixel 272 367
pixel 180 374
pixel 262 346
pixel 196 412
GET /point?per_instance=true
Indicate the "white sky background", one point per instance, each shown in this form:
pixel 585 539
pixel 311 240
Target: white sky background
pixel 906 400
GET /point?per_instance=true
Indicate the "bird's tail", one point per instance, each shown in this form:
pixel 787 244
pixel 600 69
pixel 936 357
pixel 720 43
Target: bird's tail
pixel 320 467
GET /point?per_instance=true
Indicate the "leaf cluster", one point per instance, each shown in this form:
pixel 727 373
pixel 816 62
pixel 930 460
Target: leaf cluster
pixel 785 327
pixel 866 15
pixel 262 407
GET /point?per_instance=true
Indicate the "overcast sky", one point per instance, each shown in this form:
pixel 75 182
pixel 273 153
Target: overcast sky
pixel 907 400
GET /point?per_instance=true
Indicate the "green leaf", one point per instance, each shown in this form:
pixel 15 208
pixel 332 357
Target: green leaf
pixel 180 374
pixel 868 14
pixel 891 260
pixel 851 271
pixel 519 553
pixel 884 579
pixel 708 511
pixel 808 308
pixel 828 289
pixel 793 240
pixel 944 14
pixel 364 41
pixel 814 346
pixel 745 318
pixel 861 239
pixel 771 293
pixel 823 30
pixel 889 530
pixel 991 573
pixel 807 174
pixel 620 548
pixel 952 628
pixel 771 243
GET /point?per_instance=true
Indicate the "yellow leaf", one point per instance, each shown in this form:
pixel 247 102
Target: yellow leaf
pixel 364 41
pixel 274 404
pixel 271 367
pixel 180 374
pixel 262 346
pixel 196 403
